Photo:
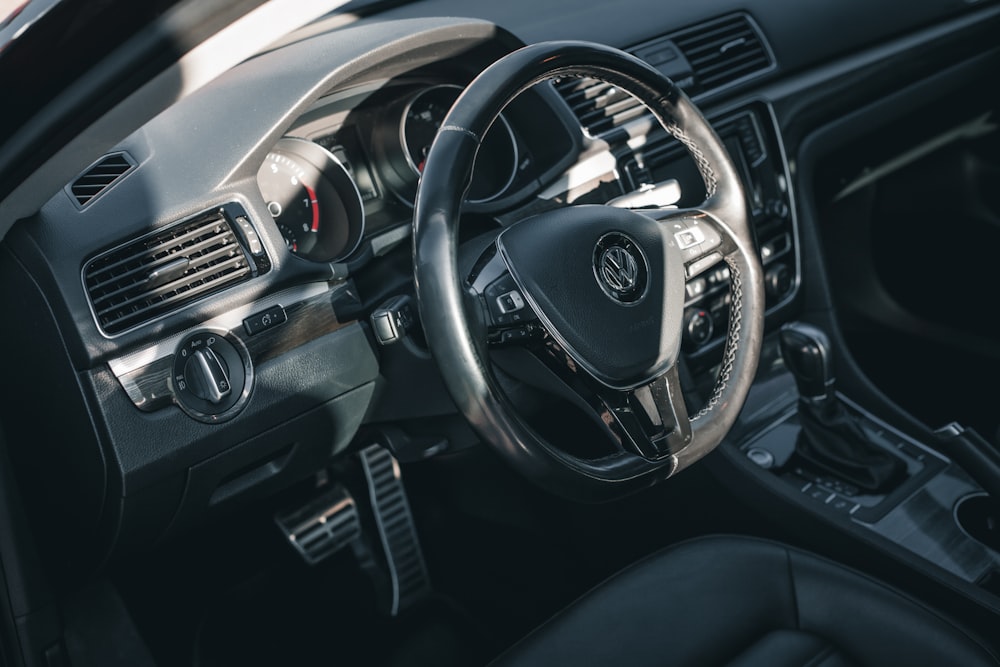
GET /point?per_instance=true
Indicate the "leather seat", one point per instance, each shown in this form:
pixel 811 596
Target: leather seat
pixel 742 601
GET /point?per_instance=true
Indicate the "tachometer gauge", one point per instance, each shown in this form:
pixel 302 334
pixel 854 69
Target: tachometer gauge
pixel 496 162
pixel 404 148
pixel 312 199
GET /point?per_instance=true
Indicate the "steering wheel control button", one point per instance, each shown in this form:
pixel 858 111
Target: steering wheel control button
pixel 510 302
pixel 264 320
pixel 703 264
pixel 695 239
pixel 690 237
pixel 505 303
pixel 517 334
pixel 211 376
pixel 620 268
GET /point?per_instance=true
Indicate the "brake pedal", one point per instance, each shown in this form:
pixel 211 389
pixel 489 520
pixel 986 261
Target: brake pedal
pixel 396 529
pixel 322 527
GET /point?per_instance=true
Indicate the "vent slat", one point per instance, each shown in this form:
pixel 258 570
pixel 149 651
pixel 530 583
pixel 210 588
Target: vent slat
pixel 140 290
pixel 99 177
pixel 158 249
pixel 713 38
pixel 594 115
pixel 748 60
pixel 720 52
pixel 724 52
pixel 147 277
pixel 172 303
pixel 610 122
pixel 179 286
pixel 730 75
pixel 147 262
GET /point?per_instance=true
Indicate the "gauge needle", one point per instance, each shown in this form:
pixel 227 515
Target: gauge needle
pixel 315 207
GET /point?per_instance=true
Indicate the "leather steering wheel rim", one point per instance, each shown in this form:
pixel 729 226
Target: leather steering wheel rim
pixel 447 307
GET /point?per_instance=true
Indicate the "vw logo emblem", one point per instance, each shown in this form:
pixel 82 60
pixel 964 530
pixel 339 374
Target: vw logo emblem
pixel 620 268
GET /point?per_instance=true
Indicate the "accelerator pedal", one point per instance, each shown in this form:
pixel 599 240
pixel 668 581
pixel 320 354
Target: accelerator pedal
pixel 396 529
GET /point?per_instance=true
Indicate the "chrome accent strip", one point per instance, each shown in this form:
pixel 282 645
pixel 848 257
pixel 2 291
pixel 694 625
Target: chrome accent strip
pixel 229 321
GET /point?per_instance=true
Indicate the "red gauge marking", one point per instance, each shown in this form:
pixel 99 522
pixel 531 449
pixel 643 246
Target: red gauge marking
pixel 314 203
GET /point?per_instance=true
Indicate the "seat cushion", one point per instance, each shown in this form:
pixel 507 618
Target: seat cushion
pixel 742 601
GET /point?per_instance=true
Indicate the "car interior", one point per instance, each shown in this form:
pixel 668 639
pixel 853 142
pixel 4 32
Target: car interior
pixel 447 333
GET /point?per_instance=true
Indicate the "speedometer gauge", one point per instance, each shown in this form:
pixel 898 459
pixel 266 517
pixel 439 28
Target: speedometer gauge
pixel 313 200
pixel 404 147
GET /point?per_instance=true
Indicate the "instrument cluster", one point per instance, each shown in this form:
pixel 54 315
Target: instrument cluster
pixel 350 167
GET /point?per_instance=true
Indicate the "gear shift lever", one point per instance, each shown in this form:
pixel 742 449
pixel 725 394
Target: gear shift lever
pixel 806 351
pixel 831 437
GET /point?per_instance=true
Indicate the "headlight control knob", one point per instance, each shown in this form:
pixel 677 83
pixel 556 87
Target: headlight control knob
pixel 208 375
pixel 211 376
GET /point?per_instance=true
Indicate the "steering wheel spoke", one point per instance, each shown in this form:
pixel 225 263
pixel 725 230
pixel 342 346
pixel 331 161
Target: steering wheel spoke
pixel 658 409
pixel 509 317
pixel 650 421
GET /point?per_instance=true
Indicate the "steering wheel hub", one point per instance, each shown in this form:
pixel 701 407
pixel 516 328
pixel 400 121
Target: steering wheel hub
pixel 613 300
pixel 620 268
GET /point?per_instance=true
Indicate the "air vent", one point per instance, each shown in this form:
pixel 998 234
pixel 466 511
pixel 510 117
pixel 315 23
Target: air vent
pixel 99 177
pixel 598 106
pixel 161 272
pixel 661 148
pixel 699 59
pixel 723 52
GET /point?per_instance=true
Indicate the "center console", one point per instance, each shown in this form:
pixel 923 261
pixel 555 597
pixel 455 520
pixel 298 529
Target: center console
pixel 936 511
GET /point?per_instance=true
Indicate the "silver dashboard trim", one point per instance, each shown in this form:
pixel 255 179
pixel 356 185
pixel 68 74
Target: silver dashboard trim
pixel 229 321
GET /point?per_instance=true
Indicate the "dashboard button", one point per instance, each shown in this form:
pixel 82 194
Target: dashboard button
pixel 695 288
pixel 265 320
pixel 250 234
pixel 698 329
pixel 842 505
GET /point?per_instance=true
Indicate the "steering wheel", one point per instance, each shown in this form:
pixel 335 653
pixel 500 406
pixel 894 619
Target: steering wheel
pixel 597 292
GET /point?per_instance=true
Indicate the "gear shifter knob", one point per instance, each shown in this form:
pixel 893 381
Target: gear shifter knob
pixel 807 354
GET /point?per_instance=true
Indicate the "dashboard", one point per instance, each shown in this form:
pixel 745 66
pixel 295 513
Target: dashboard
pixel 204 293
